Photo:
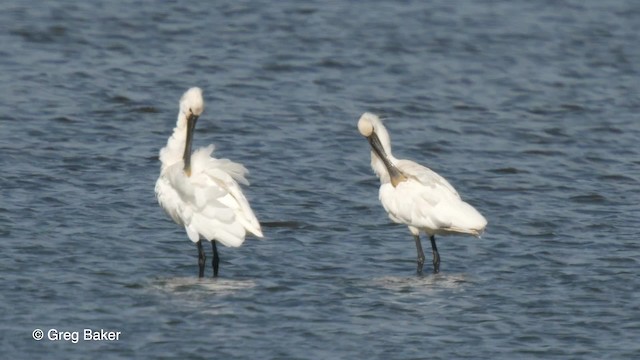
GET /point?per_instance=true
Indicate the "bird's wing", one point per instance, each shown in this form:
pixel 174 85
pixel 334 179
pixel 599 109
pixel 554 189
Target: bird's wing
pixel 414 204
pixel 218 197
pixel 417 200
pixel 168 198
pixel 427 177
pixel 427 201
pixel 209 203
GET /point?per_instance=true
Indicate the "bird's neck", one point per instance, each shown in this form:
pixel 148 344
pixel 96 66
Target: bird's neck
pixel 379 167
pixel 387 171
pixel 173 152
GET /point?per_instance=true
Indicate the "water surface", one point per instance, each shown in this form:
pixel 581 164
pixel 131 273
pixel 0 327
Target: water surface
pixel 529 109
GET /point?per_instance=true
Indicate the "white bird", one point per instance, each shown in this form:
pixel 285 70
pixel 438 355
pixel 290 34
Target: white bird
pixel 201 192
pixel 415 195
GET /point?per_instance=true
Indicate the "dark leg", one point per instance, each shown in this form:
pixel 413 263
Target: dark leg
pixel 436 256
pixel 201 259
pixel 420 253
pixel 216 261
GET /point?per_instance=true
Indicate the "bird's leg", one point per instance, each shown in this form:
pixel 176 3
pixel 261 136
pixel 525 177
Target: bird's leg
pixel 436 256
pixel 420 253
pixel 216 261
pixel 201 259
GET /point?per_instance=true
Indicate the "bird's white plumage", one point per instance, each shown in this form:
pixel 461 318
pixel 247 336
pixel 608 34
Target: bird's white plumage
pixel 422 200
pixel 209 202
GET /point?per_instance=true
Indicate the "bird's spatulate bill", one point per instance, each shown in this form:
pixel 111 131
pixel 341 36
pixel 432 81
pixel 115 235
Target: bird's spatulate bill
pixel 186 157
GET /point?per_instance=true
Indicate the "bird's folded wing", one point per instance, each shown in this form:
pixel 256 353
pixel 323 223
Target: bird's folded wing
pixel 427 177
pixel 209 203
pixel 224 175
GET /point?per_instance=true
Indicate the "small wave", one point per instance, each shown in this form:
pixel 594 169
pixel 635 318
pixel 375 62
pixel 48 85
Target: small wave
pixel 588 199
pixel 295 225
pixel 507 171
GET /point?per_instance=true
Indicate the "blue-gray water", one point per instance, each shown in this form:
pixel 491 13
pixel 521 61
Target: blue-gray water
pixel 530 109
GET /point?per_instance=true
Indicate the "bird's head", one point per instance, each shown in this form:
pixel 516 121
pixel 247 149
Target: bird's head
pixel 366 124
pixel 191 103
pixel 371 127
pixel 191 106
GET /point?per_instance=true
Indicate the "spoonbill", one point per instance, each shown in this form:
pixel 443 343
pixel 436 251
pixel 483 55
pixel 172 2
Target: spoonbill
pixel 201 192
pixel 415 195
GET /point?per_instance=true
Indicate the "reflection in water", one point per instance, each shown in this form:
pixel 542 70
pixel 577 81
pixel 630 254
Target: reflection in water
pixel 205 286
pixel 422 283
pixel 207 295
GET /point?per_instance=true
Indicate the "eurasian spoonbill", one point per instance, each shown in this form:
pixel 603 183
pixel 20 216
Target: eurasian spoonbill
pixel 415 195
pixel 201 192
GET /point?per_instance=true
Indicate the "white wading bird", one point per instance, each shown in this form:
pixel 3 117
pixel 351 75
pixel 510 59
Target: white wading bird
pixel 200 192
pixel 415 195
